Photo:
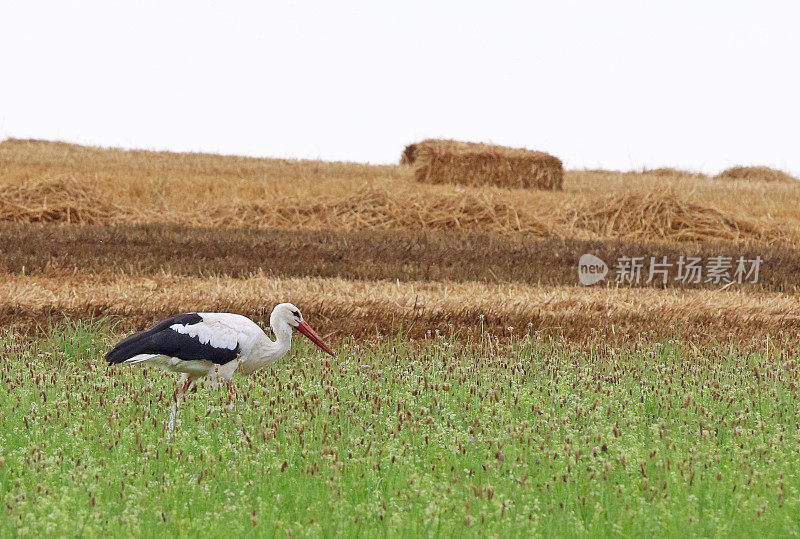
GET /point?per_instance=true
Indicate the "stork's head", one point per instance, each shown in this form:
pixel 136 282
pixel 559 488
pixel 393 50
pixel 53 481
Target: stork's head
pixel 286 314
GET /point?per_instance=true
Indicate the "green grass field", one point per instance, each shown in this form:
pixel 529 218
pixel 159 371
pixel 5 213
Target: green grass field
pixel 399 437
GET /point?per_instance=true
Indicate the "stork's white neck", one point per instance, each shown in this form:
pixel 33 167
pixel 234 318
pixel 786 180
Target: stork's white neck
pixel 283 338
pixel 267 351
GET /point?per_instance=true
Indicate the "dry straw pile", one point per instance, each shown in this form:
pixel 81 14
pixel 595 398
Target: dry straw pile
pixel 763 174
pixel 53 200
pixel 667 173
pixel 662 215
pixel 467 163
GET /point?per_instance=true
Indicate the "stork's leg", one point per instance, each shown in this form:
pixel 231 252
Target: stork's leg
pixel 231 394
pixel 226 373
pixel 187 381
pixel 232 402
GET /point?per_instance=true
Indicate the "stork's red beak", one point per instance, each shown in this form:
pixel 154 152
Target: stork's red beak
pixel 306 330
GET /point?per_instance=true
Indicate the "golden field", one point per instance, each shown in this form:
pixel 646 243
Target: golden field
pixel 135 235
pixel 347 307
pixel 43 181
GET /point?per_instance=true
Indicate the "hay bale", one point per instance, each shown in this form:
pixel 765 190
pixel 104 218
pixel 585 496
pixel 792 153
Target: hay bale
pixel 763 174
pixel 469 163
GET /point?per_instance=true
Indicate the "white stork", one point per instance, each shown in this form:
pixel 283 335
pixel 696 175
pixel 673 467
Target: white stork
pixel 213 345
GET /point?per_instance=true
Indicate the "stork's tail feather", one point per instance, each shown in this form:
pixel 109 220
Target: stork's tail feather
pixel 127 349
pixel 117 355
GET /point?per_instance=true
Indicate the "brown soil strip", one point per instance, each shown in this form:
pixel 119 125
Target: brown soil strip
pixel 147 250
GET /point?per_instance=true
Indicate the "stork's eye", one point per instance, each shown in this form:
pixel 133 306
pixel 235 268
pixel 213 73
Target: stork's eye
pixel 296 314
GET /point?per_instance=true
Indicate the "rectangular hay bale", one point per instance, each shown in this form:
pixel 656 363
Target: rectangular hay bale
pixel 469 163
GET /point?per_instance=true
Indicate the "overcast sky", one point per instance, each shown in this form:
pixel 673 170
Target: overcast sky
pixel 619 85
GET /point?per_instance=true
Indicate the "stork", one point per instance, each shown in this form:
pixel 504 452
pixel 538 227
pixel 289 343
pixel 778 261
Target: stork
pixel 213 346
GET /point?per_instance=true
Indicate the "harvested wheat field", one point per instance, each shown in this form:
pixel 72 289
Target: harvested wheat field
pixel 363 308
pixel 109 186
pixel 466 163
pixel 106 232
pixel 114 216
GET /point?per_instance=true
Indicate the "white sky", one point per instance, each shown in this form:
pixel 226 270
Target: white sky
pixel 620 85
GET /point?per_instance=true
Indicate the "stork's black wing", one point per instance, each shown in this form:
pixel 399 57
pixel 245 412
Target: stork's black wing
pixel 163 340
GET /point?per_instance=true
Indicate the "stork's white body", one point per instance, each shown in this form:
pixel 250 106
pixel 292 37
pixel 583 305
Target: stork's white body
pixel 225 331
